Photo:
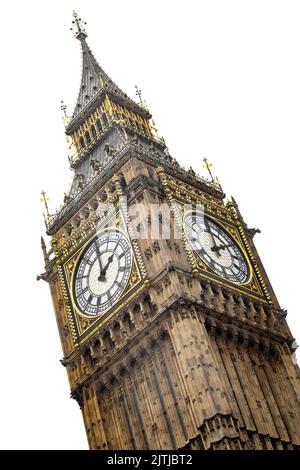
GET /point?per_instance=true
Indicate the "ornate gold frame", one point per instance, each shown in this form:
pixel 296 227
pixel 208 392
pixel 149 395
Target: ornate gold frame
pixel 80 324
pixel 179 193
pixel 233 234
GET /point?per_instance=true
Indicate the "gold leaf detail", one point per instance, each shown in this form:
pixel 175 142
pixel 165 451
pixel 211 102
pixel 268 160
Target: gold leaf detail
pixel 85 323
pixel 71 266
pixel 133 279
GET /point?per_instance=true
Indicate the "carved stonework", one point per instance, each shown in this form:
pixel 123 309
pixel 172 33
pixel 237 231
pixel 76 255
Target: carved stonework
pixel 185 356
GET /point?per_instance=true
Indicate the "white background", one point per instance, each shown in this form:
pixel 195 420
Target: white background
pixel 222 79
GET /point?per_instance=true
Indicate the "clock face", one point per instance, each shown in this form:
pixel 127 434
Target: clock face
pixel 102 273
pixel 216 248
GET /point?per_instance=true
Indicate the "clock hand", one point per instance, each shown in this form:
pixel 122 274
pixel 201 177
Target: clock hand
pixel 98 256
pixel 196 234
pixel 215 247
pixel 220 247
pixel 103 272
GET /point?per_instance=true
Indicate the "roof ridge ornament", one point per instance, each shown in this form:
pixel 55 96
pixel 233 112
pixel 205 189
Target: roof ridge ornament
pixel 138 93
pixel 79 26
pixel 207 165
pixel 214 179
pixel 63 108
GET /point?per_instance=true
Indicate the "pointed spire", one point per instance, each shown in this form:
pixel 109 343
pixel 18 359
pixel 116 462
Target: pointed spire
pixel 93 79
pixel 44 250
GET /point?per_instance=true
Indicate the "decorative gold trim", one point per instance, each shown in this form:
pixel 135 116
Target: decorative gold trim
pixel 74 265
pixel 232 232
pixel 179 193
pixel 251 255
pixel 67 268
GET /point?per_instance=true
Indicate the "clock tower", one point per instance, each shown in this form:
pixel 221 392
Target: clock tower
pixel 172 335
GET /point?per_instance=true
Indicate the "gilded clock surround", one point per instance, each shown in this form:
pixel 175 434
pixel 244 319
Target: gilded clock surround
pixel 110 237
pixel 179 195
pixel 232 234
pixel 83 323
pixel 184 359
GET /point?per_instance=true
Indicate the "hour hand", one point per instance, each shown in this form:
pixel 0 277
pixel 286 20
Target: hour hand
pixel 103 271
pixel 217 249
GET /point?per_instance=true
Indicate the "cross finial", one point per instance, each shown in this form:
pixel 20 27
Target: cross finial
pixel 63 107
pixel 45 200
pixel 79 26
pixel 138 93
pixel 208 166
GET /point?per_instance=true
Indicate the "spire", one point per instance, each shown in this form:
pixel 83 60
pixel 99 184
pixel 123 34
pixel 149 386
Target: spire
pixel 44 249
pixel 93 79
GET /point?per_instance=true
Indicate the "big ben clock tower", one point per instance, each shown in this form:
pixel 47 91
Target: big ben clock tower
pixel 172 335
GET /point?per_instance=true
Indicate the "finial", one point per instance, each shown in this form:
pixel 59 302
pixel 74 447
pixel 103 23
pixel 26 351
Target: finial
pixel 43 244
pixel 79 26
pixel 44 249
pixel 63 107
pixel 45 200
pixel 142 102
pixel 208 166
pixel 154 126
pixel 138 93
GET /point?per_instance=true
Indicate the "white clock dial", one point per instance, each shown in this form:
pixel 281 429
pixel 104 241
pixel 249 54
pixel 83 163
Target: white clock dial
pixel 216 248
pixel 102 273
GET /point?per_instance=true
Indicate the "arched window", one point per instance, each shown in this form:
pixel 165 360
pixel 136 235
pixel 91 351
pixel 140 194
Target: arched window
pixel 82 142
pixel 93 130
pixel 87 137
pixel 104 119
pixel 99 125
pixel 122 181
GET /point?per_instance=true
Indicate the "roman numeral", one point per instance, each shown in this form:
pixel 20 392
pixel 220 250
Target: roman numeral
pixel 124 253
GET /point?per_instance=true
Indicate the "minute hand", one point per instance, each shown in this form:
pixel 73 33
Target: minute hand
pixel 215 247
pixel 98 256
